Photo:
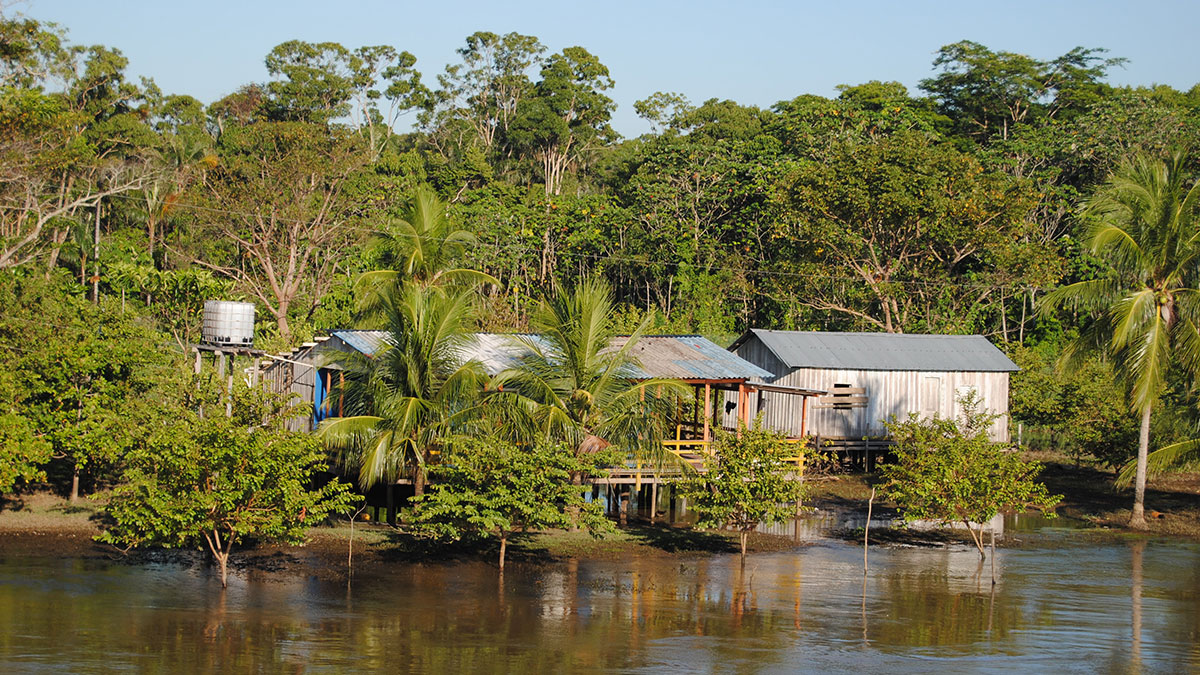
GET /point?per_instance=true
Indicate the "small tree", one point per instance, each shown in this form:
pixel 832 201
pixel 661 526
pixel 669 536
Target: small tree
pixel 746 481
pixel 22 452
pixel 950 472
pixel 221 481
pixel 493 489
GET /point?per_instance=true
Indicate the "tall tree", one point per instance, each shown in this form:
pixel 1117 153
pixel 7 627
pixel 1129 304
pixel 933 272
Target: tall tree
pixel 314 83
pixel 990 93
pixel 379 72
pixel 568 115
pixel 901 231
pixel 278 199
pixel 68 137
pixel 1145 309
pixel 486 89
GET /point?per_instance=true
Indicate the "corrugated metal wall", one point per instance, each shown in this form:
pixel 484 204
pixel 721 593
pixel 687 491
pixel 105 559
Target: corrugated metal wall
pixel 889 393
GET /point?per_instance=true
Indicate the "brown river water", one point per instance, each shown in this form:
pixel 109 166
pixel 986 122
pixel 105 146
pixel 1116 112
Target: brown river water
pixel 1061 604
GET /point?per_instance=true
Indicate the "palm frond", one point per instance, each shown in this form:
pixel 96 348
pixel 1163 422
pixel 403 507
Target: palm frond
pixel 1161 460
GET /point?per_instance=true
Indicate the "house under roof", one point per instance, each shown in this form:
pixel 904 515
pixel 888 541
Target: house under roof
pixel 882 351
pixel 872 377
pixel 312 370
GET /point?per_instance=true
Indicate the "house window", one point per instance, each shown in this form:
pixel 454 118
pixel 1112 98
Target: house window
pixel 844 396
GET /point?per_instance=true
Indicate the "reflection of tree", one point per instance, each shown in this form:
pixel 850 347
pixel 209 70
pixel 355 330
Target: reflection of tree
pixel 1136 549
pixel 927 611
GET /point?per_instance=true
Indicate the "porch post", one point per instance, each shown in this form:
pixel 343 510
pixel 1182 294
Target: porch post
pixel 803 415
pixel 707 408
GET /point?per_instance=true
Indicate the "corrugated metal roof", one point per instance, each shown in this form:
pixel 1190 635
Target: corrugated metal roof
pixel 498 352
pixel 685 357
pixel 688 357
pixel 366 341
pixel 884 351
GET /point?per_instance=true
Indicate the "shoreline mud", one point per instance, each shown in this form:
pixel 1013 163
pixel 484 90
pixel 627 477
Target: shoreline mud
pixel 41 524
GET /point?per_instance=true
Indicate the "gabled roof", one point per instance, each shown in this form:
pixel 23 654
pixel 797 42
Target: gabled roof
pixel 882 351
pixel 683 357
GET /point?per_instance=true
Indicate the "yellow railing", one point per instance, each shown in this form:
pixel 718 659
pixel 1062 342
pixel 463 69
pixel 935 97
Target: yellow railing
pixel 680 448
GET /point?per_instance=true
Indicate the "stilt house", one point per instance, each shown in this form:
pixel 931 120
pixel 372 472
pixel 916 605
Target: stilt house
pixel 312 371
pixel 870 377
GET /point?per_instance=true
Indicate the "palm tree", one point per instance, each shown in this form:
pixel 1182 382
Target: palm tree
pixel 402 403
pixel 574 387
pixel 1147 307
pixel 421 247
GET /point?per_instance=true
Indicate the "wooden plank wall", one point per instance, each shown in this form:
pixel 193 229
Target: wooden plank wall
pixel 899 393
pixel 888 392
pixel 281 377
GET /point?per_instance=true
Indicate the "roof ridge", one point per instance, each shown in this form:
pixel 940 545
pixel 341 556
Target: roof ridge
pixel 872 333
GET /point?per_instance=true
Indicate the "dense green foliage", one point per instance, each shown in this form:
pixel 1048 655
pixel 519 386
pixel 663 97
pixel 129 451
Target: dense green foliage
pixel 493 489
pixel 954 208
pixel 948 471
pixel 748 480
pixel 218 481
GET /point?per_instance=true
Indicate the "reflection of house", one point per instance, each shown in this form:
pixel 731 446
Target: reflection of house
pixel 872 376
pixel 312 371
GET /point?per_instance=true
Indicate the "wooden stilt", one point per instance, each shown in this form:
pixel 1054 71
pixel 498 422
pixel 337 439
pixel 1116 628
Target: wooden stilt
pixel 654 500
pixel 707 409
pixel 391 503
pixel 803 416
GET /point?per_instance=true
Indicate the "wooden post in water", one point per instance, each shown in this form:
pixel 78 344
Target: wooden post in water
pixel 993 554
pixel 623 509
pixel 867 530
pixel 654 499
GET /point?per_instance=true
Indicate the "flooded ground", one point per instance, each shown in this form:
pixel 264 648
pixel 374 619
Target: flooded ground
pixel 1061 604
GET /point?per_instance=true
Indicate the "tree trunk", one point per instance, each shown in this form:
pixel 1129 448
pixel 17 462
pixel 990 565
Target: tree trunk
pixel 75 485
pixel 1138 520
pixel 573 511
pixel 745 536
pixel 281 322
pixel 977 539
pixel 418 481
pixel 150 235
pixel 220 554
pixel 57 240
pixel 503 549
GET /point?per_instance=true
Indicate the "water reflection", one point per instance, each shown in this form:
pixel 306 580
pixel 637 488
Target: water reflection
pixel 917 610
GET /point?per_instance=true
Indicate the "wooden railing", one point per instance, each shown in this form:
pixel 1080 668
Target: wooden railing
pixel 694 451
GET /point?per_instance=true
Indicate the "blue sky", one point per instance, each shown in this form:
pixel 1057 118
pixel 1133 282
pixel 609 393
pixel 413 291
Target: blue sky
pixel 754 52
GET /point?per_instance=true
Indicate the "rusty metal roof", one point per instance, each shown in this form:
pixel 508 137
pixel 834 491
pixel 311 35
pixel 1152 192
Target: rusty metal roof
pixel 882 351
pixel 688 357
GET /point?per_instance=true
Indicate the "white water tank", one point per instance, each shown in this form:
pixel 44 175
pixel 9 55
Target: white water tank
pixel 228 323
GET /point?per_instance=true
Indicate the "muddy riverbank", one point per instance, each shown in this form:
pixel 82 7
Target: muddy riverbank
pixel 40 524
